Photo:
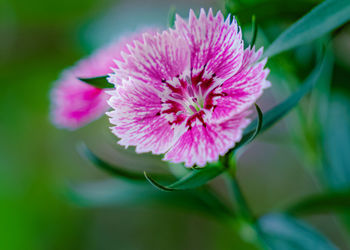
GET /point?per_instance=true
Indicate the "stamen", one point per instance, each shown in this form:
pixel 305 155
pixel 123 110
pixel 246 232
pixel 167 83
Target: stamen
pixel 190 91
pixel 200 89
pixel 193 109
pixel 177 96
pixel 191 101
pixel 189 80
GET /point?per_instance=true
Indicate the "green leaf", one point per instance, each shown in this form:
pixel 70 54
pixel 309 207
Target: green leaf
pixel 109 192
pixel 156 184
pixel 242 207
pixel 171 16
pixel 336 143
pixel 195 178
pixel 252 133
pixel 280 231
pixel 324 18
pixel 280 110
pixel 98 82
pixel 115 170
pixel 118 192
pixel 323 203
pixel 255 31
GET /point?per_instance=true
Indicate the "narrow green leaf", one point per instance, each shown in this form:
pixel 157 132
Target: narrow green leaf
pixel 109 192
pixel 194 179
pixel 323 203
pixel 115 170
pixel 336 143
pixel 254 31
pixel 241 203
pixel 259 125
pixel 280 110
pixel 122 193
pixel 280 231
pixel 98 82
pixel 171 16
pixel 203 193
pixel 156 184
pixel 248 137
pixel 198 177
pixel 324 18
pixel 118 192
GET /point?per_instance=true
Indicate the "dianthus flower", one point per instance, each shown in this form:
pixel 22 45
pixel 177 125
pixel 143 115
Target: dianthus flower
pixel 76 103
pixel 186 93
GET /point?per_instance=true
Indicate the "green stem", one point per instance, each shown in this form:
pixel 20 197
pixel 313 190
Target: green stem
pixel 242 205
pixel 214 202
pixel 245 223
pixel 243 209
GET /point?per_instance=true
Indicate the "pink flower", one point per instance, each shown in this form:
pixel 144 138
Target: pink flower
pixel 186 93
pixel 75 103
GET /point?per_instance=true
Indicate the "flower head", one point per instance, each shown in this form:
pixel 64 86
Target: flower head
pixel 186 93
pixel 75 103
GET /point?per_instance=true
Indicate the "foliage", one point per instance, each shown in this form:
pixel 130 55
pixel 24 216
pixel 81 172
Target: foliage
pixel 312 108
pixel 274 231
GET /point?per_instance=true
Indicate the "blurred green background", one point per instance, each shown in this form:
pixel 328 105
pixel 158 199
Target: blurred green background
pixel 39 163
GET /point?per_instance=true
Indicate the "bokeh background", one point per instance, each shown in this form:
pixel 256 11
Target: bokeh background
pixel 41 170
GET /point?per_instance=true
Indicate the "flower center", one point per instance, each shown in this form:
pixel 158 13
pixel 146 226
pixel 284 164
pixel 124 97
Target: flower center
pixel 189 98
pixel 195 102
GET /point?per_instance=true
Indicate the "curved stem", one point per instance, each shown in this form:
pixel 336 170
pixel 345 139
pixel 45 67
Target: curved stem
pixel 246 225
pixel 242 205
pixel 243 209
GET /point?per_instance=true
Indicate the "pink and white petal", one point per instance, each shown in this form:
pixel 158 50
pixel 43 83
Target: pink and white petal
pixel 250 57
pixel 216 45
pixel 101 62
pixel 159 57
pixel 202 144
pixel 242 89
pixel 74 103
pixel 137 118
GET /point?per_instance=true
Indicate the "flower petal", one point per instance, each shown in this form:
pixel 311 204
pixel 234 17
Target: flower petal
pixel 75 103
pixel 136 114
pixel 160 57
pixel 202 144
pixel 241 90
pixel 101 62
pixel 216 45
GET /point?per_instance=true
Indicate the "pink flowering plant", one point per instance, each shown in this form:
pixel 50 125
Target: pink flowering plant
pixel 75 103
pixel 187 93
